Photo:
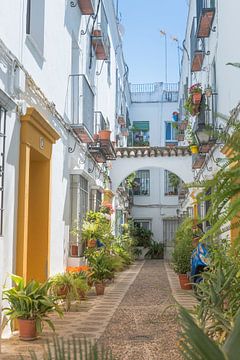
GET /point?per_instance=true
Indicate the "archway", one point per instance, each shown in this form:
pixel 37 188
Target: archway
pixel 178 161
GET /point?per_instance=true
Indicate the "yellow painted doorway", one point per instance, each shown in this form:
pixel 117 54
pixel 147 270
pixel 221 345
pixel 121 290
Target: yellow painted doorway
pixel 33 233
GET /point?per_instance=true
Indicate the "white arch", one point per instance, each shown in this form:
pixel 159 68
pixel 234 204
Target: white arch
pixel 122 167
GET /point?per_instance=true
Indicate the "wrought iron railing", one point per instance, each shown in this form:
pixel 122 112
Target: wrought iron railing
pixel 99 122
pixel 81 98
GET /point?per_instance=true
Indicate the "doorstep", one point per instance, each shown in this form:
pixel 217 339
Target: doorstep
pixel 184 298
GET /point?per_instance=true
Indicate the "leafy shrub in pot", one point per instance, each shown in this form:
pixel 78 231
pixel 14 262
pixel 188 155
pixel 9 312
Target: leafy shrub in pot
pixel 183 250
pixel 30 304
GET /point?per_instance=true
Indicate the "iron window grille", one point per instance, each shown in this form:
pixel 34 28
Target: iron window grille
pixel 143 181
pixel 79 207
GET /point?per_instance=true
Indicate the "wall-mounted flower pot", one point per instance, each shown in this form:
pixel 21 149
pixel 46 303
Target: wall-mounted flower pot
pixel 196 98
pixel 184 282
pixel 194 149
pixel 27 329
pixel 104 134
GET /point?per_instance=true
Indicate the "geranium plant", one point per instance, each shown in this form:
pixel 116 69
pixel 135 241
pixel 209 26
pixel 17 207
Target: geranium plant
pixel 194 99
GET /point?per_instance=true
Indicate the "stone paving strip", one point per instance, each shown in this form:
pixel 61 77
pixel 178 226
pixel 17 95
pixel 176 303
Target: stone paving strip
pixel 183 297
pixel 87 319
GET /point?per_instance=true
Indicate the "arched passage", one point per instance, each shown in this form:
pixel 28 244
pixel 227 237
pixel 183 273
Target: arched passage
pixel 181 165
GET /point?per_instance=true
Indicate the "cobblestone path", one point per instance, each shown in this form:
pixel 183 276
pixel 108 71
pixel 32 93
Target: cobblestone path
pixel 129 318
pixel 140 329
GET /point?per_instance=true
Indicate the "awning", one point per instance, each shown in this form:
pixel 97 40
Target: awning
pixel 141 125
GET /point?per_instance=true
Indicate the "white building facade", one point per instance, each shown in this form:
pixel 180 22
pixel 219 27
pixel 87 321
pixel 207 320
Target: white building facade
pixel 63 79
pixel 153 115
pixel 209 47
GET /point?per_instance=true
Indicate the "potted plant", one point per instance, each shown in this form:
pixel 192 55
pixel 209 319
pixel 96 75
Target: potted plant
pixel 174 181
pixel 30 305
pixel 196 92
pixel 143 238
pixel 194 99
pixel 62 286
pixel 182 252
pixel 80 276
pixel 104 134
pixel 90 233
pixel 191 138
pixel 100 271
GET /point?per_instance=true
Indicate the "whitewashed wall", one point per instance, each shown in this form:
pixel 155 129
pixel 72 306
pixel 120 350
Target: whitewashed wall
pixel 50 69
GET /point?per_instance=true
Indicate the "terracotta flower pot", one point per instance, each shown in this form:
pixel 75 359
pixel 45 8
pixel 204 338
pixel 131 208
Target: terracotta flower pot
pixel 74 250
pixel 63 291
pixel 100 288
pixel 91 243
pixel 104 134
pixel 82 294
pixel 184 282
pixel 27 329
pixel 196 98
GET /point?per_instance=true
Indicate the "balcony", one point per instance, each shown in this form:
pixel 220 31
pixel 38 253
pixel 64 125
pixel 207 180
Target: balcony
pixel 154 92
pixel 102 150
pixel 100 39
pixel 197 50
pixel 99 122
pixel 81 101
pixel 86 7
pixel 206 17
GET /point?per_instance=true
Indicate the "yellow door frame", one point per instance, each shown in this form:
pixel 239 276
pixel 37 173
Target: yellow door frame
pixel 36 137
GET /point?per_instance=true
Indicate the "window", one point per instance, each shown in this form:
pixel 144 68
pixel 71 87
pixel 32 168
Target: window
pixel 143 183
pixel 170 132
pixel 79 205
pixel 35 24
pixel 171 183
pixel 143 223
pixel 140 133
pixel 3 113
pixel 95 200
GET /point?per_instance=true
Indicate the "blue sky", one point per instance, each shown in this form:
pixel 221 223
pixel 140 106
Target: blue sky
pixel 143 45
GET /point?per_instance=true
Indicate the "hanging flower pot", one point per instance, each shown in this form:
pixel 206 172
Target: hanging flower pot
pixel 196 97
pixel 104 134
pixel 194 149
pixel 27 329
